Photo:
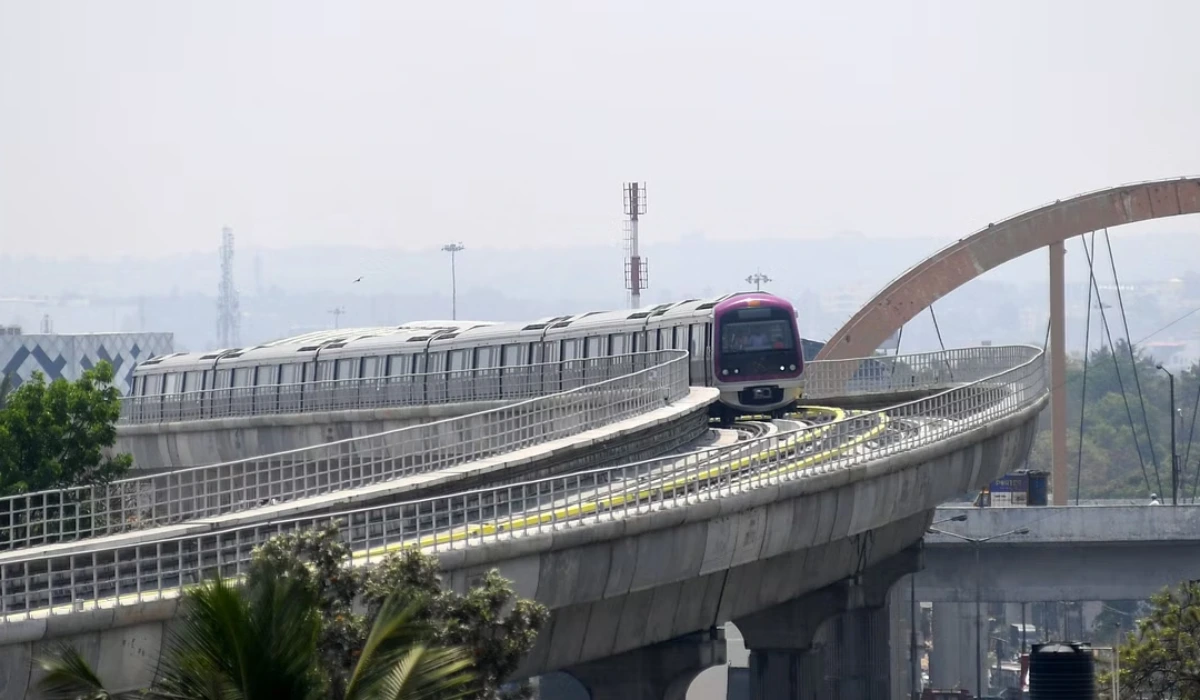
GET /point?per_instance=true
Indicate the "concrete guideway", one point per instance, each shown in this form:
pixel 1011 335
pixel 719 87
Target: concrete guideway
pixel 658 565
pixel 203 492
pixel 765 462
pixel 41 518
pixel 557 456
pixel 647 482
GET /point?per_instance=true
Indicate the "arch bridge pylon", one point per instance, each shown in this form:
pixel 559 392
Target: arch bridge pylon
pixel 1048 227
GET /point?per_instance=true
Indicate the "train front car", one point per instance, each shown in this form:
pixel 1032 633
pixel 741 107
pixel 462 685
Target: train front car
pixel 757 358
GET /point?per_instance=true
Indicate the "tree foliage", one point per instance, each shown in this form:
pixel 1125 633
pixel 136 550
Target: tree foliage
pixel 1113 450
pixel 262 641
pixel 1161 658
pixel 497 629
pixel 54 435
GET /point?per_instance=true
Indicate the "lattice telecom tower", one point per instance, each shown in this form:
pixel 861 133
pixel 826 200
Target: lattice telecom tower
pixel 228 316
pixel 636 278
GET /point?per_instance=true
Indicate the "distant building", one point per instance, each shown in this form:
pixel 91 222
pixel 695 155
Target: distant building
pixel 67 356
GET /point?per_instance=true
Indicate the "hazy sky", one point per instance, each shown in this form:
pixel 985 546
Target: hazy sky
pixel 139 127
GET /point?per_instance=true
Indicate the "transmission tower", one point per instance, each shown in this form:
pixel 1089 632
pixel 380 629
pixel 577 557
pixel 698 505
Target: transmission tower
pixel 635 266
pixel 228 316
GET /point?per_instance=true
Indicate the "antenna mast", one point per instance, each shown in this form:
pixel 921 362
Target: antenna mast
pixel 635 266
pixel 228 316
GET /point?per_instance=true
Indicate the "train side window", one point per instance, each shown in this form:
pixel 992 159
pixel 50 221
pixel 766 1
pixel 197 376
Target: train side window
pixel 347 368
pixel 206 380
pixel 639 341
pixel 435 362
pixel 570 349
pixel 595 346
pixel 459 360
pixel 487 357
pixel 190 380
pixel 150 385
pixel 171 385
pixel 697 346
pixel 370 367
pixel 550 351
pixel 398 365
pixel 680 341
pixel 287 374
pixel 616 344
pixel 222 379
pixel 513 355
pixel 241 377
pixel 324 370
pixel 137 386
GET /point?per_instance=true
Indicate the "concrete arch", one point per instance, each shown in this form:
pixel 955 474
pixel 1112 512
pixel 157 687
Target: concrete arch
pixel 949 268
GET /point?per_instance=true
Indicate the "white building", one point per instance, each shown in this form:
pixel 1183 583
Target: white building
pixel 67 356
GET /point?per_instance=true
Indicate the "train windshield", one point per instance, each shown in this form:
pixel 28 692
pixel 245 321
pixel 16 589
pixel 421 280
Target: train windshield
pixel 756 330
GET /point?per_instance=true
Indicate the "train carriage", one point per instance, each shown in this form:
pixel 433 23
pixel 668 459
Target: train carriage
pixel 746 344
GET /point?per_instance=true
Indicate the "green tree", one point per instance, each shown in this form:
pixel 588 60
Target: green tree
pixel 6 388
pixel 55 435
pixel 477 621
pixel 260 641
pixel 1114 447
pixel 1161 658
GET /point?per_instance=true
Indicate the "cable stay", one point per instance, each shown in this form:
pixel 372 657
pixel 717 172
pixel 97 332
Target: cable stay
pixel 1188 450
pixel 1132 360
pixel 1087 339
pixel 1137 448
pixel 938 330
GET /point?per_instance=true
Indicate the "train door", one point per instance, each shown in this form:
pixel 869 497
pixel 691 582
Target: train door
pixel 515 379
pixel 597 365
pixel 708 354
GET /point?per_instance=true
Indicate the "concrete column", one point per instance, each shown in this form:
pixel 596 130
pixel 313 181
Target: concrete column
pixel 1058 374
pixel 900 640
pixel 952 662
pixel 658 672
pixel 859 659
pixel 832 643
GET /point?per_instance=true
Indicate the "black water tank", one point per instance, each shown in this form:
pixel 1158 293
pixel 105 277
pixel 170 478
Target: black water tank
pixel 1062 671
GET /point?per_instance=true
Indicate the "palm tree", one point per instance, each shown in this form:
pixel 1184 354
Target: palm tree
pixel 260 641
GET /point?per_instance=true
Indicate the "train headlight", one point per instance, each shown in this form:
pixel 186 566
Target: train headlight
pixel 725 371
pixel 782 368
pixel 792 367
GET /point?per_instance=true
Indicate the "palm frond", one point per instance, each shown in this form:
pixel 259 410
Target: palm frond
pixel 69 677
pixel 245 644
pixel 396 664
pixel 428 674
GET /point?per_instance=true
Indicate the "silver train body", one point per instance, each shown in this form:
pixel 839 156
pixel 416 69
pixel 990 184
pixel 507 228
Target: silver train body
pixel 751 381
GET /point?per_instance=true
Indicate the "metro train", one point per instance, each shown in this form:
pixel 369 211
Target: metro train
pixel 746 344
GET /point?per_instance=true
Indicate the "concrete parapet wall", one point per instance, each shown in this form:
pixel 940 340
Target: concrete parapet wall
pixel 162 446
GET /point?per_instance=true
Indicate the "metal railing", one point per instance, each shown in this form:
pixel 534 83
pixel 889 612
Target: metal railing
pixel 652 380
pixel 127 575
pixel 886 374
pixel 458 386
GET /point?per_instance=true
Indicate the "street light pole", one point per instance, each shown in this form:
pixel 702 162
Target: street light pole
pixel 1174 451
pixel 452 249
pixel 977 542
pixel 758 279
pixel 915 613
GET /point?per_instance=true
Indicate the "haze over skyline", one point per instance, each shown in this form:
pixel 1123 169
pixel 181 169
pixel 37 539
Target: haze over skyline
pixel 139 128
